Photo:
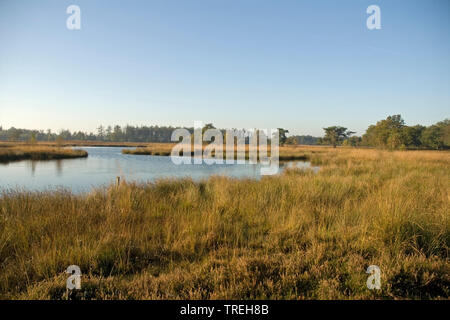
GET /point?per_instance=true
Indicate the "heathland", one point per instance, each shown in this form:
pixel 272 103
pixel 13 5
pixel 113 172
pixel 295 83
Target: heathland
pixel 297 235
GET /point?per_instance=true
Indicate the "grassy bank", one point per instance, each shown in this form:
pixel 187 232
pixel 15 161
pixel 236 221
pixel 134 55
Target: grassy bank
pixel 153 149
pixel 296 235
pixel 17 153
pixel 165 149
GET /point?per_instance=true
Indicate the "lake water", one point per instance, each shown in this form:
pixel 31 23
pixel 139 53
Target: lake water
pixel 104 164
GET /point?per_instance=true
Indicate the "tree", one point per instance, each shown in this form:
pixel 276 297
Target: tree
pixel 335 135
pixel 305 140
pixel 392 133
pixel 445 132
pixel 386 133
pixel 411 136
pixel 33 138
pixel 14 134
pixel 108 133
pixel 308 140
pixel 49 134
pixel 101 132
pixel 432 137
pixel 394 141
pixel 292 140
pixel 204 128
pixel 282 136
pixel 352 141
pixel 117 134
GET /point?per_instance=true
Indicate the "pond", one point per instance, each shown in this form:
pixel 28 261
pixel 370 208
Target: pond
pixel 104 164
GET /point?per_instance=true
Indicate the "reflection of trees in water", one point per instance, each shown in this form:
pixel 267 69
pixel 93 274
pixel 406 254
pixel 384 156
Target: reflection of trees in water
pixel 33 168
pixel 59 167
pixel 58 164
pixel 32 165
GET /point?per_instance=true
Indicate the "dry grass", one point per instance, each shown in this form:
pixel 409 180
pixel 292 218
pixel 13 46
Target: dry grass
pixel 155 149
pixel 165 149
pixel 299 235
pixel 30 152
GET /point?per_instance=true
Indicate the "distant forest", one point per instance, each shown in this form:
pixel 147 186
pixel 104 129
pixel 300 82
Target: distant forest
pixel 115 134
pixel 112 134
pixel 390 133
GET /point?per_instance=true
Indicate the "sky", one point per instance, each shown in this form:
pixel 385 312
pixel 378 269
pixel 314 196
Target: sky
pixel 299 65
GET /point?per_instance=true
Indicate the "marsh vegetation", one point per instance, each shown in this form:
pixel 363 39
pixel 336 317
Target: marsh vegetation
pixel 32 152
pixel 298 235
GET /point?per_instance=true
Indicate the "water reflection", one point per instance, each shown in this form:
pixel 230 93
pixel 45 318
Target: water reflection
pixel 33 167
pixel 305 165
pixel 32 164
pixel 59 167
pixel 104 164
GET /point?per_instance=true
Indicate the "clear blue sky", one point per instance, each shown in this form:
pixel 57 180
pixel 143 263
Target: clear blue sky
pixel 301 65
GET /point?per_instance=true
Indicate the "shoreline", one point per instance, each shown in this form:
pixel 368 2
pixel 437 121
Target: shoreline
pixel 38 153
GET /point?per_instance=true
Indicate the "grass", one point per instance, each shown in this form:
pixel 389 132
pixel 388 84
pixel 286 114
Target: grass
pixel 164 149
pixel 298 235
pixel 155 149
pixel 30 152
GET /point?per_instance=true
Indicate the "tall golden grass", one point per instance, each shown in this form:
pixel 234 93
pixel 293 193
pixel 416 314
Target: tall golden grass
pixel 298 235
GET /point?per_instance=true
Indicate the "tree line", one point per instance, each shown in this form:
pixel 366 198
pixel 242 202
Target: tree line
pixel 104 133
pixel 123 134
pixel 390 133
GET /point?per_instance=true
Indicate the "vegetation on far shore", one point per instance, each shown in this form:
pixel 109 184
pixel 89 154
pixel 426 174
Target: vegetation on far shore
pixel 32 152
pixel 298 235
pixel 390 133
pixel 72 143
pixel 289 153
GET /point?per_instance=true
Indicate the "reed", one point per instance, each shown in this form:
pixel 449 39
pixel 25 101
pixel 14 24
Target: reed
pixel 16 153
pixel 165 149
pixel 298 235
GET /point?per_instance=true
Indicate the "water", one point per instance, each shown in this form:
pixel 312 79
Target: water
pixel 102 167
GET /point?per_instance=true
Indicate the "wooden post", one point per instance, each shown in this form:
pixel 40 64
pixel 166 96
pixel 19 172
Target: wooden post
pixel 117 181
